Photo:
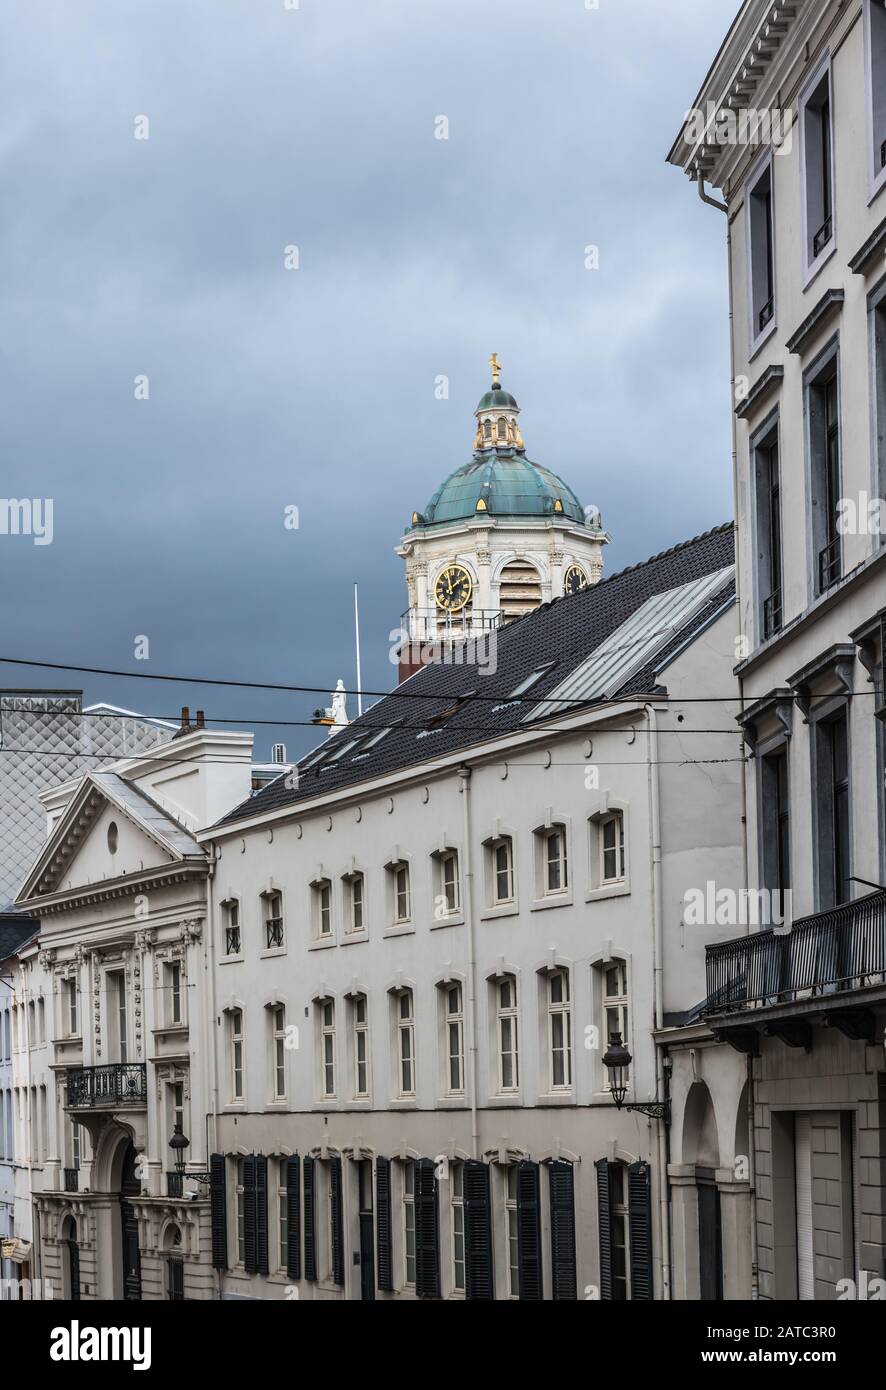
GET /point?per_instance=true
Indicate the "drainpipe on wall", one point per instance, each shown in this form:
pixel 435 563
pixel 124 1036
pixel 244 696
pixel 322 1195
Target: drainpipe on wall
pixel 210 1029
pixel 664 1224
pixel 29 1128
pixel 464 774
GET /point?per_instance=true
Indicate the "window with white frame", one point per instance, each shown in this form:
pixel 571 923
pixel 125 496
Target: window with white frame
pixel 321 892
pixel 400 890
pixel 447 893
pixel 614 987
pixel 406 1042
pixel 556 879
pixel 278 1052
pixel 273 915
pixel 355 902
pixel 235 1039
pixel 457 1211
pixel 327 1048
pixel 761 253
pixel 455 1039
pixel 283 1213
pixel 70 1020
pixel 502 870
pixel 360 1021
pixel 511 1226
pixel 559 1030
pixel 231 926
pixel 611 847
pixel 507 1034
pixel 875 30
pixel 409 1223
pixel 172 978
pixel 817 167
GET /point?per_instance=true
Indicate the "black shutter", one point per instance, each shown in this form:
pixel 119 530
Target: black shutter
pixel 250 1262
pixel 604 1215
pixel 478 1230
pixel 529 1231
pixel 293 1217
pixel 562 1185
pixel 337 1219
pixel 640 1222
pixel 427 1230
pixel 261 1213
pixel 383 1255
pixel 218 1205
pixel 310 1220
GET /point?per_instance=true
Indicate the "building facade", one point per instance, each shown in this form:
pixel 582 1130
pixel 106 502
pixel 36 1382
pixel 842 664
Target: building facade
pixel 424 944
pixel 790 127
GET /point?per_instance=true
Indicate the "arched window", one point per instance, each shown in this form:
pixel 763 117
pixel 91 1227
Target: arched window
pixel 71 1268
pixel 502 429
pixel 487 429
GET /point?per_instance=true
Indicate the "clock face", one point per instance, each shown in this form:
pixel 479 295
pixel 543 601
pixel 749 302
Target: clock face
pixel 453 588
pixel 574 580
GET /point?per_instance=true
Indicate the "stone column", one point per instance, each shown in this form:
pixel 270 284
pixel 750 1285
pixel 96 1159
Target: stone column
pixel 684 1231
pixel 735 1225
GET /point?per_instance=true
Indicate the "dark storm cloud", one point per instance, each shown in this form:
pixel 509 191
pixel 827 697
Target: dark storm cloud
pixel 315 127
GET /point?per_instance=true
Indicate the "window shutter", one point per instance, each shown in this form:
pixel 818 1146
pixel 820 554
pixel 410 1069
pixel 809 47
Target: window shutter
pixel 427 1230
pixel 218 1204
pixel 529 1231
pixel 250 1262
pixel 383 1255
pixel 261 1213
pixel 640 1223
pixel 478 1231
pixel 562 1186
pixel 337 1221
pixel 604 1215
pixel 310 1220
pixel 293 1217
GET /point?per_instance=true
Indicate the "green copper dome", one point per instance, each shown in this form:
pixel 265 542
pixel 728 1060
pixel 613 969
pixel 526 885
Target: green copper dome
pixel 497 398
pixel 501 483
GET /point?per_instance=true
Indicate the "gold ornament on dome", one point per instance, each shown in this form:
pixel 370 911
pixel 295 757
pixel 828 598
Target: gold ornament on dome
pixel 496 369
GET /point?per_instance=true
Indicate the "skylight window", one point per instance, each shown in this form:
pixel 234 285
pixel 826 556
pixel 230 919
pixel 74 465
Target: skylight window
pixel 452 709
pixel 339 753
pixel 531 679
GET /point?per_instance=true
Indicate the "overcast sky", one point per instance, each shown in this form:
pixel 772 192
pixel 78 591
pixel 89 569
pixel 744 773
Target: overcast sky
pixel 269 388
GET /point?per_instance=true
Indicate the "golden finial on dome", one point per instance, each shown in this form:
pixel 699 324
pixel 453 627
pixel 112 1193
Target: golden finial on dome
pixel 496 369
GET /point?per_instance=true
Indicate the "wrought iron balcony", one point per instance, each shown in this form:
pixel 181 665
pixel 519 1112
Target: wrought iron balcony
pixel 232 941
pixel 826 953
pixel 772 614
pixel 765 315
pixel 822 236
pixel 175 1184
pixel 72 1179
pixel 274 931
pixel 436 625
pixel 120 1083
pixel 830 559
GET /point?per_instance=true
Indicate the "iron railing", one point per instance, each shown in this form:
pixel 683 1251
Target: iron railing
pixel 843 948
pixel 765 315
pixel 829 564
pixel 822 236
pixel 772 614
pixel 435 624
pixel 120 1083
pixel 72 1179
pixel 274 929
pixel 175 1184
pixel 232 941
pixel 883 155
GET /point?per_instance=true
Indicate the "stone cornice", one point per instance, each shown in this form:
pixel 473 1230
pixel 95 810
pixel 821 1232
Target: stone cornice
pixel 110 889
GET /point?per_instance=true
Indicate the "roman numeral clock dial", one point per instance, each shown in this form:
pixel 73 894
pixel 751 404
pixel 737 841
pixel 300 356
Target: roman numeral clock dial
pixel 453 588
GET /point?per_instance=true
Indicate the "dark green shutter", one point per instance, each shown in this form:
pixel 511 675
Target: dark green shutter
pixel 261 1213
pixel 478 1230
pixel 293 1217
pixel 562 1188
pixel 383 1254
pixel 604 1216
pixel 529 1231
pixel 337 1221
pixel 250 1262
pixel 427 1230
pixel 640 1222
pixel 310 1220
pixel 218 1204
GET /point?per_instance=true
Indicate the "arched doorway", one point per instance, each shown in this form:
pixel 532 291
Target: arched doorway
pixel 71 1257
pixel 701 1147
pixel 130 1186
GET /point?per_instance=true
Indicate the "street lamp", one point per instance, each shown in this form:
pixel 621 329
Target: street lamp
pixel 178 1143
pixel 617 1060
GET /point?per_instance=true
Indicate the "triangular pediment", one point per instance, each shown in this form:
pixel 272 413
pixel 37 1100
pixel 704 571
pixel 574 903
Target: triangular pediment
pixel 110 832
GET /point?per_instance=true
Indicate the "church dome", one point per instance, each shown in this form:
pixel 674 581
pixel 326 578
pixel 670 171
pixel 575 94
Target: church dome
pixel 501 483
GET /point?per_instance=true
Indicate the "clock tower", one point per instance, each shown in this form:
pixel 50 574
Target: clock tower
pixel 499 537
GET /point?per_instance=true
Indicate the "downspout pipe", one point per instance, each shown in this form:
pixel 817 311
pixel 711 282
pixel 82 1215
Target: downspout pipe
pixel 211 1029
pixel 464 774
pixel 654 785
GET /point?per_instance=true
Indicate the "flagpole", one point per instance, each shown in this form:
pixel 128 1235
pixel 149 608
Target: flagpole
pixel 357 644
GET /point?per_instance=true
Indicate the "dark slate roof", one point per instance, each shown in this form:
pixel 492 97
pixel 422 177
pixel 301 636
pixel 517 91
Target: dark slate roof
pixel 564 631
pixel 15 930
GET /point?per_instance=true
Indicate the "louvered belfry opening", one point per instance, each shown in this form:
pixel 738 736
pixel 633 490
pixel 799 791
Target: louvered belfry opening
pixel 519 590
